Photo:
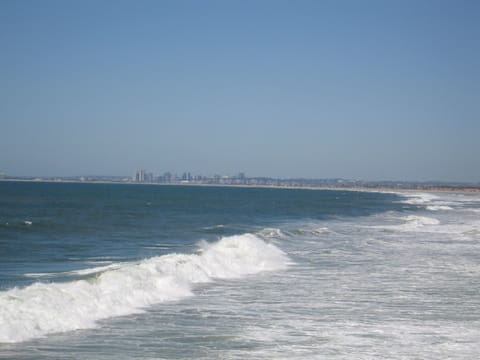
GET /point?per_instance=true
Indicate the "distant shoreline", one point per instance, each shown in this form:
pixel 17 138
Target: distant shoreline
pixel 474 189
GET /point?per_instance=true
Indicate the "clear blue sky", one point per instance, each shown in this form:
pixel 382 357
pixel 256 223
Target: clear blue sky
pixel 356 89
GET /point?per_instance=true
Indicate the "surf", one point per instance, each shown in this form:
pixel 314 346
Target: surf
pixel 123 289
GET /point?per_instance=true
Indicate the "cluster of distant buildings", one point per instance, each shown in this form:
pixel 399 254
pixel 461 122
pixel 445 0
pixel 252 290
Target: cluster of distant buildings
pixel 145 177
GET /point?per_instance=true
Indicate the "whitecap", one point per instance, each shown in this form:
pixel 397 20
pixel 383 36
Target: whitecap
pixel 411 223
pixel 271 233
pixel 419 198
pixel 128 288
pixel 439 207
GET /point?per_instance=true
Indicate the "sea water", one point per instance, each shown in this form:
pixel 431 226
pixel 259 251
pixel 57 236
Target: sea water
pixel 105 271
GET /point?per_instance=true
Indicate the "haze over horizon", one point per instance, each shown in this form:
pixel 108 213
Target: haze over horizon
pixel 370 90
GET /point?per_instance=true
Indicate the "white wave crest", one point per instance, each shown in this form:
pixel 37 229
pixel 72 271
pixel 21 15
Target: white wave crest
pixel 412 223
pixel 44 308
pixel 419 221
pixel 419 198
pixel 271 233
pixel 438 207
pixel 81 272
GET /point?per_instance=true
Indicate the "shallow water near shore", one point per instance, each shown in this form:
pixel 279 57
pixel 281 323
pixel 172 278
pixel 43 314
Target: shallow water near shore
pixel 94 271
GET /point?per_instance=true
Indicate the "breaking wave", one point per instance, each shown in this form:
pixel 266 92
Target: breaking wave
pixel 123 289
pixel 439 208
pixel 411 223
pixel 419 198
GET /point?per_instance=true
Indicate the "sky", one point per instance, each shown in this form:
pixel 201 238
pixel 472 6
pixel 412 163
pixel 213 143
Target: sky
pixel 373 90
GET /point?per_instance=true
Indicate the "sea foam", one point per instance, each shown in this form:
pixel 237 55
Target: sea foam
pixel 45 308
pixel 419 198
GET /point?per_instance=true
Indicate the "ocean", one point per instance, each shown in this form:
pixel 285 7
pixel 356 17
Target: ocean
pixel 110 271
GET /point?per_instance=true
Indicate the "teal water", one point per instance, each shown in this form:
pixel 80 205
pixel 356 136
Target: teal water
pixel 48 227
pixel 97 271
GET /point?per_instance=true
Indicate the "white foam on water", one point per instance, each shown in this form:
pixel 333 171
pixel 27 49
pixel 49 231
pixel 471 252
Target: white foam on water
pixel 432 202
pixel 219 226
pixel 412 223
pixel 419 221
pixel 94 270
pixel 321 230
pixel 439 207
pixel 123 289
pixel 81 272
pixel 419 198
pixel 98 262
pixel 442 202
pixel 271 233
pixel 40 275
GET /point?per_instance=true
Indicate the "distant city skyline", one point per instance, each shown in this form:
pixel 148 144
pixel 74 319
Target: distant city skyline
pixel 143 176
pixel 374 90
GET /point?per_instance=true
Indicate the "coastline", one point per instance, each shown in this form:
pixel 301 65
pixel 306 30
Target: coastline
pixel 464 189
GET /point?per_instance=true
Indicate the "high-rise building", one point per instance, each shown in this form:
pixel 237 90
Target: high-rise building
pixel 140 176
pixel 167 177
pixel 149 177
